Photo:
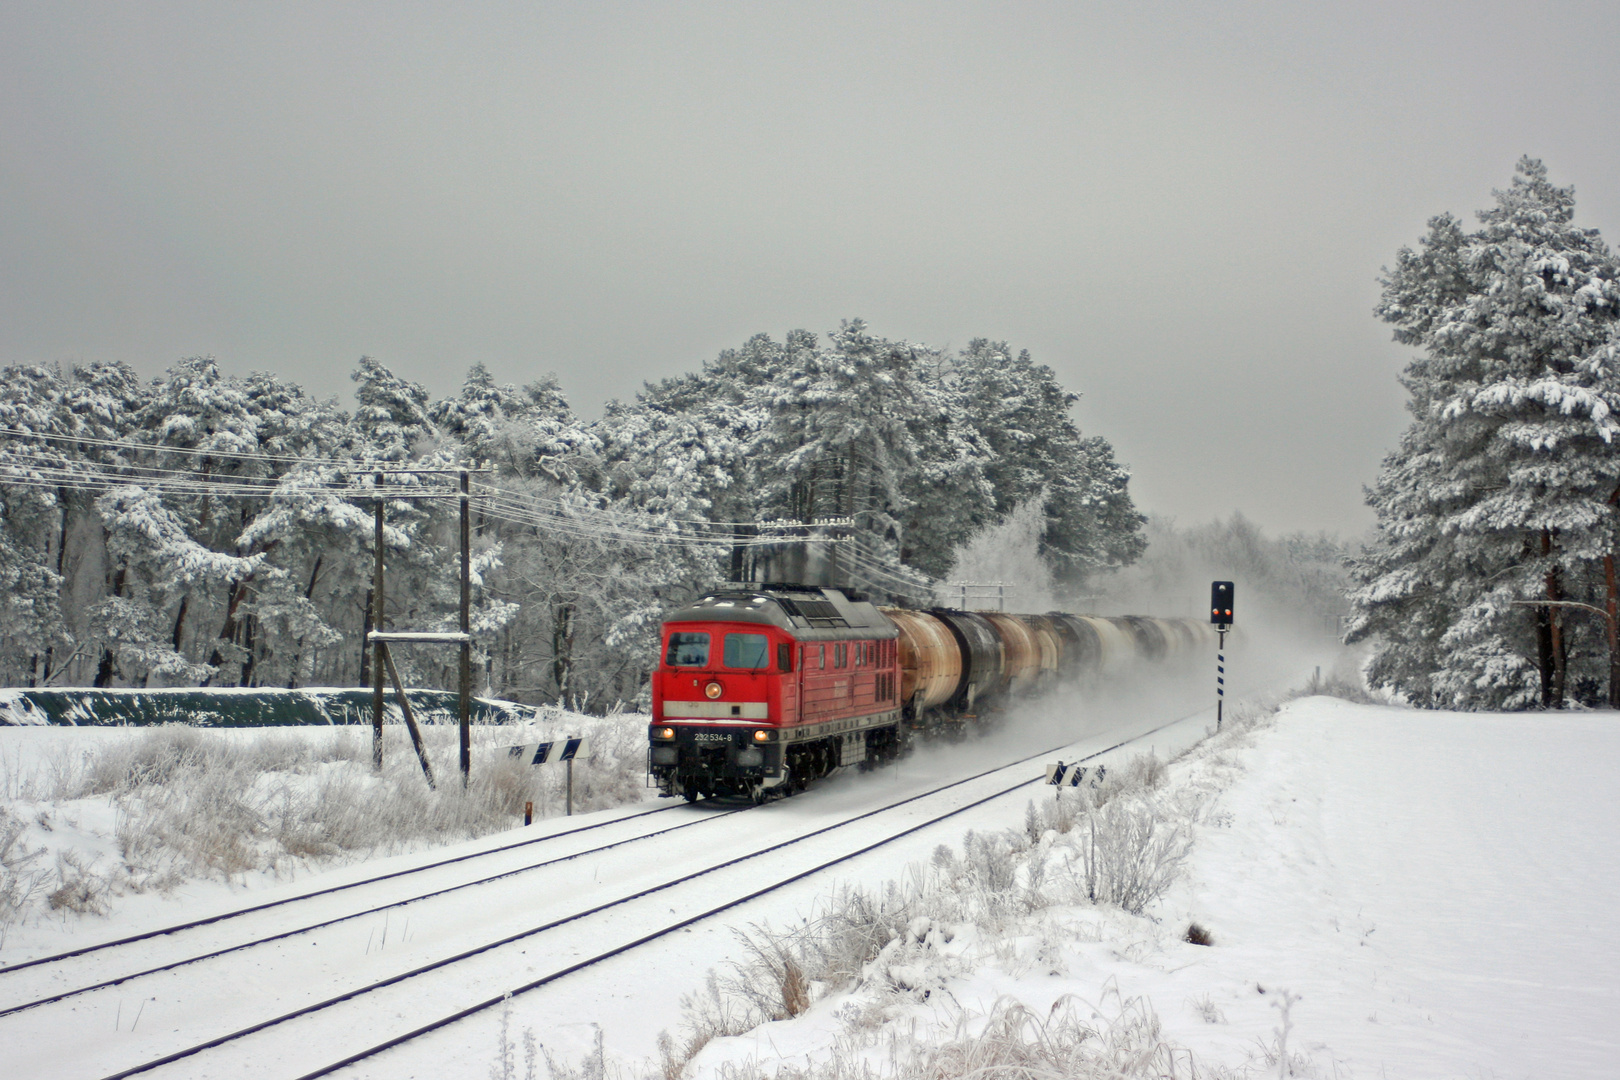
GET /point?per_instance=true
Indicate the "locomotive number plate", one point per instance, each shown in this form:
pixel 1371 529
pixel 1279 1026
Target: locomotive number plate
pixel 711 736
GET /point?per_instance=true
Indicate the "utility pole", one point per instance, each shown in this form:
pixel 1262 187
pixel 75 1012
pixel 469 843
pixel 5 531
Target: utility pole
pixel 377 645
pixel 466 632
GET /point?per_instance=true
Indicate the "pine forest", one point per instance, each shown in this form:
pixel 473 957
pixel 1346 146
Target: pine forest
pixel 205 529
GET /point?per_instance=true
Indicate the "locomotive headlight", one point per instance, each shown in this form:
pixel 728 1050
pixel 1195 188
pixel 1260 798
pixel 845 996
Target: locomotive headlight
pixel 664 733
pixel 713 690
pixel 762 736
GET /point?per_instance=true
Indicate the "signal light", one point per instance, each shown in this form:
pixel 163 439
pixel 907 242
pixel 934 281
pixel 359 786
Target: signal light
pixel 762 736
pixel 1220 603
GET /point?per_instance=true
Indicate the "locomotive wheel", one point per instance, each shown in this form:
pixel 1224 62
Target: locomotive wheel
pixel 690 791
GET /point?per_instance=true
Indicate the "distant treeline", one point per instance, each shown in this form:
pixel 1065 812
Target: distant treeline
pixel 208 529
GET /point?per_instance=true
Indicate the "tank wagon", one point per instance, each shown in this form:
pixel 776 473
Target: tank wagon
pixel 761 690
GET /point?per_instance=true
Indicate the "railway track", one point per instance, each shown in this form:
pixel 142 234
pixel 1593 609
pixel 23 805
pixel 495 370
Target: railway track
pixel 97 954
pixel 575 926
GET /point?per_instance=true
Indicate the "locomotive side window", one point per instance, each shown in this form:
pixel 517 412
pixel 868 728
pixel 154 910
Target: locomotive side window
pixel 747 651
pixel 687 650
pixel 784 657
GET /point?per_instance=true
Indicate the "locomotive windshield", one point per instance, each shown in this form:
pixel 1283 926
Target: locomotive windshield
pixel 747 651
pixel 688 650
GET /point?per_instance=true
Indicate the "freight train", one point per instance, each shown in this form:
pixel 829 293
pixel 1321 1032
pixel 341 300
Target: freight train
pixel 761 690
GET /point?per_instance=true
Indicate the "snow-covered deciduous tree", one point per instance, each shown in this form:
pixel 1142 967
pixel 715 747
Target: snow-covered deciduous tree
pixel 1006 552
pixel 1491 584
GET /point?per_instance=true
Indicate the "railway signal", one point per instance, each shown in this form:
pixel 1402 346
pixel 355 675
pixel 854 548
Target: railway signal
pixel 1220 614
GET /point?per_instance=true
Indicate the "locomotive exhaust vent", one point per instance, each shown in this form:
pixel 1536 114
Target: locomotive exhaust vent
pixel 820 613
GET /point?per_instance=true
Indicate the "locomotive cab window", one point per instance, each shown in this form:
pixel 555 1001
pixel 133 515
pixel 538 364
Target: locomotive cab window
pixel 747 651
pixel 784 657
pixel 687 650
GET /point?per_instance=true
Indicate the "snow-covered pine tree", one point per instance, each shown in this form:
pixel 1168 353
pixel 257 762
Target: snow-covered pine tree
pixel 99 401
pixel 392 414
pixel 1037 453
pixel 840 441
pixel 1497 514
pixel 539 590
pixel 32 518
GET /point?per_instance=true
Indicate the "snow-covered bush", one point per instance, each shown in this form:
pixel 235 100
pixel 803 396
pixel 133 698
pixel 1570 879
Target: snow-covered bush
pixel 21 878
pixel 1116 1039
pixel 1128 854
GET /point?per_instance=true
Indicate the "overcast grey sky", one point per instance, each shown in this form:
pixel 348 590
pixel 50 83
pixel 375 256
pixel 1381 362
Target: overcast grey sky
pixel 1182 208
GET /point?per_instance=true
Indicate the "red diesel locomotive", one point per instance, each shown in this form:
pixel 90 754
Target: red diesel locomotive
pixel 760 692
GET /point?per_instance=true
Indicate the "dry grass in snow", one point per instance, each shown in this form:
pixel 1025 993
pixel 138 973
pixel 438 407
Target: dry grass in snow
pixel 162 805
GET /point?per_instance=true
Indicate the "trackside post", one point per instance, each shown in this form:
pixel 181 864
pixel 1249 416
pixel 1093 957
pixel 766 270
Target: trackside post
pixel 1220 615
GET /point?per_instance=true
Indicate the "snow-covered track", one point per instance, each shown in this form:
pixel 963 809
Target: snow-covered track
pixel 308 927
pixel 237 913
pixel 597 932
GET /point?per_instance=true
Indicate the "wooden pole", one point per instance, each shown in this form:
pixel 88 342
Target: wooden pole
pixel 410 719
pixel 466 628
pixel 377 649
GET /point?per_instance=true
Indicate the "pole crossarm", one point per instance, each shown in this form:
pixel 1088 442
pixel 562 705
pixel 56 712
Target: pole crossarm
pixel 449 638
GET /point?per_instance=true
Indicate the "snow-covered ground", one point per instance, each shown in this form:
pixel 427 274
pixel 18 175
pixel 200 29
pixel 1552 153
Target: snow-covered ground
pixel 1426 889
pixel 1437 887
pixel 1430 892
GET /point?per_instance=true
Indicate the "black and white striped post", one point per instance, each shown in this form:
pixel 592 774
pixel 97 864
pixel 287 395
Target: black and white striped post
pixel 1061 776
pixel 1220 614
pixel 564 750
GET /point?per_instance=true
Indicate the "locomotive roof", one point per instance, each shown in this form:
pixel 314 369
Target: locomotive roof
pixel 810 614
